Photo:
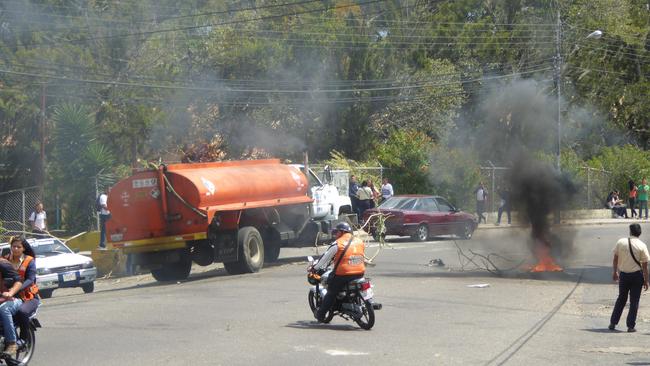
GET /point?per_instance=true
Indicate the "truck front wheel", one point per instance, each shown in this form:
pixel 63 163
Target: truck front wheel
pixel 173 271
pixel 251 252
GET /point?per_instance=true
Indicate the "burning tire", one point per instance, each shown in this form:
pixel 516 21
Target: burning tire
pixel 251 252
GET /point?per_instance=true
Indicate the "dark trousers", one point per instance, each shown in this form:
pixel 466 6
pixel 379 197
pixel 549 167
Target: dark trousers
pixel 22 315
pixel 334 286
pixel 632 202
pixel 632 283
pixel 480 208
pixel 501 209
pixel 102 229
pixel 643 206
pixel 355 206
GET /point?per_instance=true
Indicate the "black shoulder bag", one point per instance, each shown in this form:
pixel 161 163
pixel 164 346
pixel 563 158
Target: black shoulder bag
pixel 629 243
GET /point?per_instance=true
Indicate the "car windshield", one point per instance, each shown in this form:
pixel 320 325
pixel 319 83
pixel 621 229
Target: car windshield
pixel 50 247
pixel 399 203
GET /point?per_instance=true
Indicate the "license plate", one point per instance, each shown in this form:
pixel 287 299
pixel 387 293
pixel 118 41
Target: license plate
pixel 368 294
pixel 69 277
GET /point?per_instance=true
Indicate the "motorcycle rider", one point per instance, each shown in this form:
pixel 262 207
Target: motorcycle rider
pixel 23 258
pixel 10 283
pixel 347 255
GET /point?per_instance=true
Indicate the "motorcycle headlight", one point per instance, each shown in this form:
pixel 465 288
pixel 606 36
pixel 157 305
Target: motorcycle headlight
pixel 88 264
pixel 43 271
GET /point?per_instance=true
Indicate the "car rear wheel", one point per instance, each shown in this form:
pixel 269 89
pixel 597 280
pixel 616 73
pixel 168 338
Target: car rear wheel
pixel 45 294
pixel 421 233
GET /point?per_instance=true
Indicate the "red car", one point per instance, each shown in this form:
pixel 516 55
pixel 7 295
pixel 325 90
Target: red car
pixel 421 217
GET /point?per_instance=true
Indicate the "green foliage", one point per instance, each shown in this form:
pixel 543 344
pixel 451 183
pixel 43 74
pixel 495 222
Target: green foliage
pixel 357 168
pixel 622 164
pixel 454 174
pixel 405 155
pixel 78 163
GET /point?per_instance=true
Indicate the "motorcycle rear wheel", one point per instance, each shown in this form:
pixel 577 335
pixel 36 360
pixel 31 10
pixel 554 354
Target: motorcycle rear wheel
pixel 26 350
pixel 367 319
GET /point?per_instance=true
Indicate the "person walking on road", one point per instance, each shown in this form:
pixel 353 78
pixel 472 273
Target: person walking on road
pixel 504 205
pixel 481 198
pixel 642 195
pixel 630 267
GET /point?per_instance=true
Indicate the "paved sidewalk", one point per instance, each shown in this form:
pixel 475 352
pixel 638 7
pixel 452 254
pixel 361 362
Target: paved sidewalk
pixel 492 225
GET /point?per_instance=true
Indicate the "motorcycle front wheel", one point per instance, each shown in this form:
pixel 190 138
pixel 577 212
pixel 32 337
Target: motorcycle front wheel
pixel 314 303
pixel 367 319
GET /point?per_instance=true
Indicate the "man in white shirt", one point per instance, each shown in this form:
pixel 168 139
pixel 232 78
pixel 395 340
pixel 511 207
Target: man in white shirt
pixel 631 271
pixel 104 215
pixel 481 198
pixel 386 190
pixel 38 220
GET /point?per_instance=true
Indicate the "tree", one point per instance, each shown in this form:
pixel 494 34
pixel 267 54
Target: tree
pixel 78 159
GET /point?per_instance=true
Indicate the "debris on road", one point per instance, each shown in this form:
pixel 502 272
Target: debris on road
pixel 479 285
pixel 436 262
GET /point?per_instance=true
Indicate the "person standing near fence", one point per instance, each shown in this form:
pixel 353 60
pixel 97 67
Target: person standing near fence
pixel 481 198
pixel 38 220
pixel 386 190
pixel 642 196
pixel 104 215
pixel 352 192
pixel 631 199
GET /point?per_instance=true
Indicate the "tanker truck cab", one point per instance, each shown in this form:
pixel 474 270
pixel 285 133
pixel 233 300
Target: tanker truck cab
pixel 330 202
pixel 239 213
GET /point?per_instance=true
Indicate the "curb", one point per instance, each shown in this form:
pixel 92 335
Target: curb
pixel 567 223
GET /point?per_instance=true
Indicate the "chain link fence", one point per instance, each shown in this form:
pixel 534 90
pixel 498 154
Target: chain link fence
pixel 16 206
pixel 592 186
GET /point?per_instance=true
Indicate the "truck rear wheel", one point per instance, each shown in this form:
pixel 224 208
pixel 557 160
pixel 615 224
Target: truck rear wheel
pixel 251 252
pixel 174 271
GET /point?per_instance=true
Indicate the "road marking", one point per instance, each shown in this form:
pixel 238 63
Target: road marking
pixel 336 352
pixel 619 350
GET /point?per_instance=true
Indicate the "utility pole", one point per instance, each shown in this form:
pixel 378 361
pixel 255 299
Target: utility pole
pixel 558 82
pixel 42 138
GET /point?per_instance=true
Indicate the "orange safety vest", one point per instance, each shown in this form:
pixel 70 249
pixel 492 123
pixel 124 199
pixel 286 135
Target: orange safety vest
pixel 31 291
pixel 353 260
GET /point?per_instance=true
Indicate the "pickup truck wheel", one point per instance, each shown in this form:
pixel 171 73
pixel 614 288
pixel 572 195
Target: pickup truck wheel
pixel 88 287
pixel 251 252
pixel 174 271
pixel 45 294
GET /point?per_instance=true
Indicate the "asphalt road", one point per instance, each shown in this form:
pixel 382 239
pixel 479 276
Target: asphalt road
pixel 430 315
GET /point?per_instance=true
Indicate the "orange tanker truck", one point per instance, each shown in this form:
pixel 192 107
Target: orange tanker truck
pixel 239 213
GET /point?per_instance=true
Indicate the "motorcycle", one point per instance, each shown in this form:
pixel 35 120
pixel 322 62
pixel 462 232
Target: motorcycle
pixel 26 347
pixel 355 302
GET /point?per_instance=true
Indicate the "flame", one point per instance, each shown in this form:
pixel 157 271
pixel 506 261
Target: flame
pixel 545 262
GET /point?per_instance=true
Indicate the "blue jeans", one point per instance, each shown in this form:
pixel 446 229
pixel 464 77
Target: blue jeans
pixel 7 311
pixel 643 205
pixel 102 229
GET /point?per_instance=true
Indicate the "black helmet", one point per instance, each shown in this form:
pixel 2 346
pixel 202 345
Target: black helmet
pixel 343 226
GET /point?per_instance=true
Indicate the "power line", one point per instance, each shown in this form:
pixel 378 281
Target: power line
pixel 230 22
